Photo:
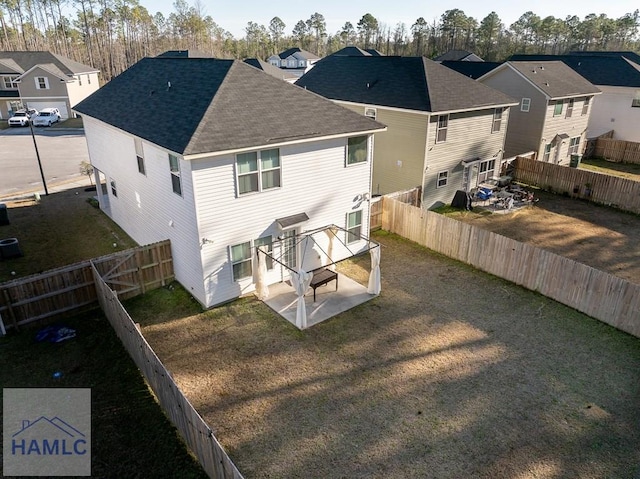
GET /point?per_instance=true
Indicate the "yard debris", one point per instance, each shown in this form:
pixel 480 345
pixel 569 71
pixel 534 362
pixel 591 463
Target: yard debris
pixel 55 334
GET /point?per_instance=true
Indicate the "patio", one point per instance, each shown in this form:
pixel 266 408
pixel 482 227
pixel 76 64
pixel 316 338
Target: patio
pixel 283 299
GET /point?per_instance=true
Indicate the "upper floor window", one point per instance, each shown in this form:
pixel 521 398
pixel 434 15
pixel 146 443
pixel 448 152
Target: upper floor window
pixel 79 80
pixel 497 120
pixel 139 156
pixel 9 82
pixel 258 171
pixel 525 104
pixel 570 108
pixel 356 150
pixel 443 125
pixel 370 113
pixel 275 63
pixel 42 83
pixel 292 63
pixel 557 109
pixel 89 79
pixel 635 103
pixel 301 63
pixel 176 181
pixel 114 188
pixel 354 226
pixel 585 105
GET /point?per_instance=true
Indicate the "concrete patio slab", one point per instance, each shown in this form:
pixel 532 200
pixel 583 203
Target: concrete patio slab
pixel 329 302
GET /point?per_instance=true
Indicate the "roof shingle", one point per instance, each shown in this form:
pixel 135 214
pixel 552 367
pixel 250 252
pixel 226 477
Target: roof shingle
pixel 203 105
pixel 27 60
pixel 554 78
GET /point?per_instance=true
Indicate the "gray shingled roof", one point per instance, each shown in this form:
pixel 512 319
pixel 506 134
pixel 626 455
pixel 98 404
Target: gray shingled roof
pixel 352 51
pixel 304 53
pixel 633 56
pixel 8 65
pixel 412 83
pixel 454 55
pixel 27 60
pixel 610 70
pixel 269 68
pixel 215 105
pixel 555 78
pixel 472 70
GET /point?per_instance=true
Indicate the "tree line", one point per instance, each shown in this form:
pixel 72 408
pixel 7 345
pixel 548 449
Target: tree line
pixel 111 35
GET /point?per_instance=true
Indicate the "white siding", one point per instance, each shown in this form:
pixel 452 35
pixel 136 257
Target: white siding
pixel 469 137
pixel 78 92
pixel 314 180
pixel 146 204
pixel 612 111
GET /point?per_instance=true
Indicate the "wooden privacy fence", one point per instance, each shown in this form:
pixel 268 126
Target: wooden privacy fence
pixel 603 296
pixel 609 190
pixel 194 430
pixel 412 197
pixel 71 288
pixel 620 151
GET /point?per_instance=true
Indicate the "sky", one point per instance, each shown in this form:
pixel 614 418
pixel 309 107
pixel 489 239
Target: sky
pixel 233 16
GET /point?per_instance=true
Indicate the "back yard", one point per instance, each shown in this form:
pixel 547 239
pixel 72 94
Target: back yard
pixel 449 373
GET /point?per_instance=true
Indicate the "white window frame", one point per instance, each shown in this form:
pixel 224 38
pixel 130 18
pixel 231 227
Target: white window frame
pixel 246 257
pixel 442 179
pixel 176 179
pixel 488 172
pixel 140 156
pixel 585 105
pixel 39 84
pixel 555 108
pixel 371 113
pixel 527 102
pixel 260 171
pixel 546 155
pixel 354 232
pixel 9 82
pixel 635 103
pixel 89 79
pixel 442 127
pixel 114 187
pixel 79 80
pixel 292 63
pixel 348 156
pixel 574 146
pixel 570 105
pixel 497 120
pixel 301 63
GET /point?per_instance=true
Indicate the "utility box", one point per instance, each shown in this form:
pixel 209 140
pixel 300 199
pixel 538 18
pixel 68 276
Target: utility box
pixel 4 215
pixel 575 161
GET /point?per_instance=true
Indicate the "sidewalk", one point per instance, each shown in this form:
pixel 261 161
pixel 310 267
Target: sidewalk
pixel 81 181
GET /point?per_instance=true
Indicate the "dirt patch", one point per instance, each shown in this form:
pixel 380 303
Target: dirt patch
pixel 598 236
pixel 449 373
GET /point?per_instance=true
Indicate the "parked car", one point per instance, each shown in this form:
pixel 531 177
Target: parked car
pixel 47 117
pixel 22 117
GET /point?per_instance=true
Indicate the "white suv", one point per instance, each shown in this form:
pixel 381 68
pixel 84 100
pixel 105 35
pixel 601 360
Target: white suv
pixel 47 117
pixel 21 118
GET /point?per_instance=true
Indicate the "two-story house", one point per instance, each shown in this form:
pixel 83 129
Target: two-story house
pixel 617 75
pixel 244 160
pixel 43 80
pixel 554 110
pixel 445 132
pixel 295 60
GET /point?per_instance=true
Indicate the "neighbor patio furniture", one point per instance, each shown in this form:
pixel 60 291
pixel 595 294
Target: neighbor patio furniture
pixel 321 277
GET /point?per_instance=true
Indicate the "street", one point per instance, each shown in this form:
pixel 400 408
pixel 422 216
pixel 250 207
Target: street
pixel 61 152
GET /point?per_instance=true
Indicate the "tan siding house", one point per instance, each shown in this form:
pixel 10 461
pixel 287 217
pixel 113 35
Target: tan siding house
pixel 43 80
pixel 555 105
pixel 445 132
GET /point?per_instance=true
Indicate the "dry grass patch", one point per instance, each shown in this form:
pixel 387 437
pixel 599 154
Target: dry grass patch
pixel 449 373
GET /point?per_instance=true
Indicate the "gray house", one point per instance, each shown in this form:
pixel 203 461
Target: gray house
pixel 295 60
pixel 445 132
pixel 43 80
pixel 555 104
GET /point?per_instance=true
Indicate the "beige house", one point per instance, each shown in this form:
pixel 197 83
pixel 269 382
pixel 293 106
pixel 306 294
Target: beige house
pixel 445 132
pixel 555 105
pixel 43 80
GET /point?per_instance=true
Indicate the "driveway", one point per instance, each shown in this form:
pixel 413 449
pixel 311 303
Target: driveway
pixel 61 152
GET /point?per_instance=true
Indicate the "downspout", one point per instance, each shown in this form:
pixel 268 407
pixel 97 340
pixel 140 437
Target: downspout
pixel 424 165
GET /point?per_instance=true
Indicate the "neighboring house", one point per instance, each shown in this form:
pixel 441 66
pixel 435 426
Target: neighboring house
pixel 271 70
pixel 554 110
pixel 473 70
pixel 445 132
pixel 244 160
pixel 617 75
pixel 43 80
pixel 295 60
pixel 458 56
pixel 353 51
pixel 184 54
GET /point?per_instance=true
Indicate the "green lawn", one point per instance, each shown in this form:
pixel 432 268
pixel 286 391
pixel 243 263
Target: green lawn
pixel 131 437
pixel 624 170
